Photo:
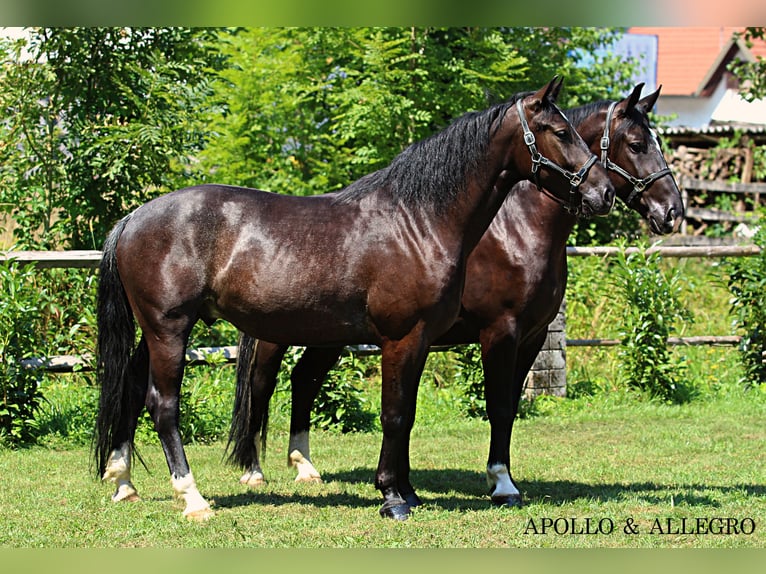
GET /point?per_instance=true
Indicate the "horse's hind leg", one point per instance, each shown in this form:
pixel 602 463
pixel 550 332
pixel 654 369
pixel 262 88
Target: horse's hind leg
pixel 306 379
pixel 118 465
pixel 499 358
pixel 262 380
pixel 162 400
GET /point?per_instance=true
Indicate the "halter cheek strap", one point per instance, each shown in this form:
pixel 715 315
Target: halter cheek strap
pixel 539 160
pixel 639 185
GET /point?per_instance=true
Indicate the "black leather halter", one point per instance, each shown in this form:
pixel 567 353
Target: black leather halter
pixel 639 185
pixel 539 160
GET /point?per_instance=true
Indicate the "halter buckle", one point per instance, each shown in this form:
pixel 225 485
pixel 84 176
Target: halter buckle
pixel 605 143
pixel 529 138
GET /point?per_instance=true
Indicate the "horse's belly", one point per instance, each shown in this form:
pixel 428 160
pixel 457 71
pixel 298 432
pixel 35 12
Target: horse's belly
pixel 305 318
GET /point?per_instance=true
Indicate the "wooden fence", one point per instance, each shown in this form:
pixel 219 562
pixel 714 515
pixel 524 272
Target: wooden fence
pixel 704 215
pixel 547 373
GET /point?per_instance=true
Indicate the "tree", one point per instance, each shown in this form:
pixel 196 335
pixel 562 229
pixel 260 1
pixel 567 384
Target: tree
pixel 310 110
pixel 97 120
pixel 751 74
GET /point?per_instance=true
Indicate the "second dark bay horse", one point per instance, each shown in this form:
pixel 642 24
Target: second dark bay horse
pixel 382 261
pixel 515 283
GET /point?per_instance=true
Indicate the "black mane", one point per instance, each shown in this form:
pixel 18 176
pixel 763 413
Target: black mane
pixel 579 114
pixel 435 170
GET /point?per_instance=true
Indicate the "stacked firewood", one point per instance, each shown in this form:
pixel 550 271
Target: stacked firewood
pixel 722 164
pixel 707 210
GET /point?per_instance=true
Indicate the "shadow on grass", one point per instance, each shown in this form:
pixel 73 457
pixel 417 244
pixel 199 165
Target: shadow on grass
pixel 459 490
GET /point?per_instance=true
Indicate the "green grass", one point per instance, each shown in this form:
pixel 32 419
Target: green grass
pixel 595 457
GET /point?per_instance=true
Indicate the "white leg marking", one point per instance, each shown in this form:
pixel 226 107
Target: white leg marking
pixel 254 476
pixel 186 488
pixel 300 458
pixel 500 483
pixel 118 472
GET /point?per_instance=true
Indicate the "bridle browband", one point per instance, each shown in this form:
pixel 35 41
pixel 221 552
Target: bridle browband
pixel 639 185
pixel 539 160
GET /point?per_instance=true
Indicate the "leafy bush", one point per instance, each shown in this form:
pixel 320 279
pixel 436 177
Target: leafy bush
pixel 19 340
pixel 341 404
pixel 470 378
pixel 68 410
pixel 747 283
pixel 654 308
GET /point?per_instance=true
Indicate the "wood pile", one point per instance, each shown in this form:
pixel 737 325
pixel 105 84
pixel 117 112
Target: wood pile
pixel 706 207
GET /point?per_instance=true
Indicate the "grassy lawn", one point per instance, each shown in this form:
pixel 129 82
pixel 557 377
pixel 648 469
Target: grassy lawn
pixel 602 462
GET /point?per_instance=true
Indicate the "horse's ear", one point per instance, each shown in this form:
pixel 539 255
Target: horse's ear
pixel 647 103
pixel 549 92
pixel 555 84
pixel 633 98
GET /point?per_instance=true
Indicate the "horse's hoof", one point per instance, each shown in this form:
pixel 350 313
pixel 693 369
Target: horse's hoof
pixel 125 493
pixel 253 480
pixel 507 501
pixel 413 500
pixel 396 509
pixel 200 515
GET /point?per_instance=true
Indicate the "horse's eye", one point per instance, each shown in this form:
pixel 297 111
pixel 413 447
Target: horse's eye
pixel 562 134
pixel 635 147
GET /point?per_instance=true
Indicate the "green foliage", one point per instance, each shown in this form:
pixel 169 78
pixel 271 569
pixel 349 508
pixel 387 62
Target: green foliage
pixel 470 379
pixel 207 395
pixel 654 308
pixel 68 410
pixel 20 395
pixel 97 121
pixel 341 403
pixel 309 110
pixel 752 74
pixel 747 283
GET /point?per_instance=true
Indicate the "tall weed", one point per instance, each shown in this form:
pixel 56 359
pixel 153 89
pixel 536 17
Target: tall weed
pixel 20 319
pixel 747 283
pixel 653 311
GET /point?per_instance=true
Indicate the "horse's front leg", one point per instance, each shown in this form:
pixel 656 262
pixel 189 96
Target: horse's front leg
pixel 500 360
pixel 306 379
pixel 402 365
pixel 167 363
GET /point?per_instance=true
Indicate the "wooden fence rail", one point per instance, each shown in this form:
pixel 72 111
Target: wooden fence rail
pixel 91 259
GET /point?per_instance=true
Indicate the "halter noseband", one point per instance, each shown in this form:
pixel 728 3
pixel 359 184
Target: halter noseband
pixel 538 160
pixel 639 185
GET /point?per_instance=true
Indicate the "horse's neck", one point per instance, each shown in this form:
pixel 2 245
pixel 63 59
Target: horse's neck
pixel 480 204
pixel 530 218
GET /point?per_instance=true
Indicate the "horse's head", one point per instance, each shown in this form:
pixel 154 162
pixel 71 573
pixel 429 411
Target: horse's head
pixel 632 153
pixel 556 157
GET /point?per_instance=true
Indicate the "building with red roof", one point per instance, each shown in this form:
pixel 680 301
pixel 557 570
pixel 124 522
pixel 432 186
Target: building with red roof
pixel 698 90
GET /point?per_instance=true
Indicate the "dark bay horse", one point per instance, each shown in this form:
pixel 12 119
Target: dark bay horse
pixel 382 261
pixel 516 278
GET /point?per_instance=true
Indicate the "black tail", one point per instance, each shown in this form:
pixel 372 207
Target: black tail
pixel 116 346
pixel 247 419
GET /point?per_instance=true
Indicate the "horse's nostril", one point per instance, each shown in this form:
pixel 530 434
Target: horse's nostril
pixel 671 215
